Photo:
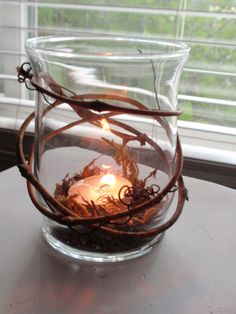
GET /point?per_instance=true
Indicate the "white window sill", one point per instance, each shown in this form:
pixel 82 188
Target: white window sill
pixel 211 143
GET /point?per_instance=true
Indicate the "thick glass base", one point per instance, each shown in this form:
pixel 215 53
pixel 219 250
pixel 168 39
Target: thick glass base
pixel 66 242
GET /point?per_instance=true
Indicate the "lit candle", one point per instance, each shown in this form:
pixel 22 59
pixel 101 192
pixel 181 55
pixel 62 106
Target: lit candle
pixel 97 188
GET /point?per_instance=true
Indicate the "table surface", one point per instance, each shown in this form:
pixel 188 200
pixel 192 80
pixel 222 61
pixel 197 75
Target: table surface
pixel 193 270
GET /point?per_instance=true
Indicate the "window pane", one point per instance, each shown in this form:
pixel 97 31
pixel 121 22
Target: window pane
pixel 207 89
pixel 210 28
pixel 211 5
pixel 106 22
pixel 172 4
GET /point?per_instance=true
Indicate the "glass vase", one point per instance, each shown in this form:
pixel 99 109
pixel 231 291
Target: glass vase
pixel 107 158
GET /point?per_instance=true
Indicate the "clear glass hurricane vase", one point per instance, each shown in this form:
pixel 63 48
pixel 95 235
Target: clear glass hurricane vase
pixel 106 141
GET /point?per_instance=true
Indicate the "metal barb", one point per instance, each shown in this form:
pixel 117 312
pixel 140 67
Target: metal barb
pixel 173 189
pixel 186 194
pixel 24 72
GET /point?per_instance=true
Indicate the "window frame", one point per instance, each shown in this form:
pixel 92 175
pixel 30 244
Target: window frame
pixel 215 148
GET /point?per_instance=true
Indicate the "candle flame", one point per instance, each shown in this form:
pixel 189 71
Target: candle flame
pixel 105 125
pixel 108 179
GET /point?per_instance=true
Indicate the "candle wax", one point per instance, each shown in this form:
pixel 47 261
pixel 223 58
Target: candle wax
pixel 97 188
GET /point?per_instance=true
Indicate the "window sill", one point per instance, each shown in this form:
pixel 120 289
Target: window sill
pixel 211 158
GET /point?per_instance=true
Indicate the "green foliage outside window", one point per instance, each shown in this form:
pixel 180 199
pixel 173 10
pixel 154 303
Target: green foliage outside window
pixel 211 68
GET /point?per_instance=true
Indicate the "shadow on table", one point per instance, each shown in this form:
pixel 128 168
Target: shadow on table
pixel 53 283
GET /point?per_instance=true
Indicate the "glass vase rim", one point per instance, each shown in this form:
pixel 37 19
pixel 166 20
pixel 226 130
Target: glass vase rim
pixel 37 45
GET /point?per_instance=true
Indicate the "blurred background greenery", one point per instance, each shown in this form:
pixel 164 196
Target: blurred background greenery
pixel 208 26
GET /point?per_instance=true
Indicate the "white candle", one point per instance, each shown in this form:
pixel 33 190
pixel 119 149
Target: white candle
pixel 97 188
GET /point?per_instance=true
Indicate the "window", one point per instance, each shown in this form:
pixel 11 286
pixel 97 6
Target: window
pixel 207 92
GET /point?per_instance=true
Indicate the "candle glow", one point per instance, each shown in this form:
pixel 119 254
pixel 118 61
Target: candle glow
pixel 105 125
pixel 98 188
